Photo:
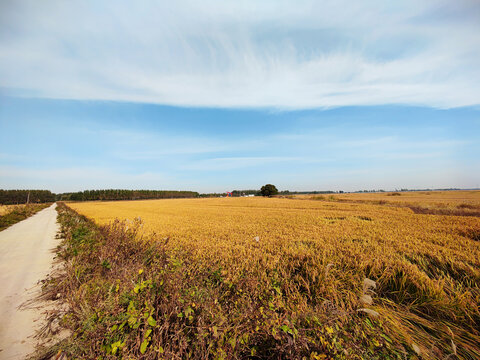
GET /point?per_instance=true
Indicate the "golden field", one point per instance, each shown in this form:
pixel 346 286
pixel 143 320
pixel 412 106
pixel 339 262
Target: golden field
pixel 438 198
pixel 309 261
pixel 460 203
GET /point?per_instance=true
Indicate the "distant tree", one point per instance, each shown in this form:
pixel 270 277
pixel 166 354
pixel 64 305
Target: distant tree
pixel 268 190
pixel 25 196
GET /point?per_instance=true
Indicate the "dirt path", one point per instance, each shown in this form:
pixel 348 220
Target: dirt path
pixel 25 259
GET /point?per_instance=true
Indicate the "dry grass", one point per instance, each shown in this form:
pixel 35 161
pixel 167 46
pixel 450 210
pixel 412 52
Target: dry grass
pixel 5 209
pixel 15 213
pixel 305 263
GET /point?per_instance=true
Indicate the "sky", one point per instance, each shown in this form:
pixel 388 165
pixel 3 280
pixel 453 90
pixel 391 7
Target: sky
pixel 216 95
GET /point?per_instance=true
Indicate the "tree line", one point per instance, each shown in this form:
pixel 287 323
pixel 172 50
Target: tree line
pixel 10 197
pixel 117 194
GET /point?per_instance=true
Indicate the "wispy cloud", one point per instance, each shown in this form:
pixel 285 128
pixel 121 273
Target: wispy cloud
pixel 81 178
pixel 4 157
pixel 247 54
pixel 140 145
pixel 230 163
pixel 70 145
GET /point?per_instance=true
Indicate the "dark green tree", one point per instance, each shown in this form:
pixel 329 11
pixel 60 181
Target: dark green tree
pixel 24 196
pixel 119 194
pixel 268 190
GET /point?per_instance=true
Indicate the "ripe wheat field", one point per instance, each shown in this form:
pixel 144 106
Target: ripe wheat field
pixel 355 274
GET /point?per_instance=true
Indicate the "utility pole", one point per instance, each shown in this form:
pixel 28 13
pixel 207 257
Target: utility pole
pixel 28 197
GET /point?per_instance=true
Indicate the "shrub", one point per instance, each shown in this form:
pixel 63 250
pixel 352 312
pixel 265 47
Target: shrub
pixel 268 190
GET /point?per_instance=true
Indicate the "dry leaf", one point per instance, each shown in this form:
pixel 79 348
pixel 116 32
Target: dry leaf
pixel 370 312
pixel 366 299
pixel 416 349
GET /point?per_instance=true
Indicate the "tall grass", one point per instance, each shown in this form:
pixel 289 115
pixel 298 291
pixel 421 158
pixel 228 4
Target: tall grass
pixel 16 213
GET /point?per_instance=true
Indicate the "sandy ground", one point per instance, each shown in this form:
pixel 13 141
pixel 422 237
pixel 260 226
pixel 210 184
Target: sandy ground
pixel 25 259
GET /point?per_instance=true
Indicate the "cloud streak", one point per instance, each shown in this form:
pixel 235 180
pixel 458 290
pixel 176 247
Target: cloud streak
pixel 279 54
pixel 80 178
pixel 231 163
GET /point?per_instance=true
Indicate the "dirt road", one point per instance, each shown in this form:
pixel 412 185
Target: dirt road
pixel 25 258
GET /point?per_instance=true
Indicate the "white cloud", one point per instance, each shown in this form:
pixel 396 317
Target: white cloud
pixel 247 54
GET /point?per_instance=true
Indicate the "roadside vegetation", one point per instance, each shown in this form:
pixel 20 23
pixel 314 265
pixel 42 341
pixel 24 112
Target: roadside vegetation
pixel 5 209
pixel 12 214
pixel 267 278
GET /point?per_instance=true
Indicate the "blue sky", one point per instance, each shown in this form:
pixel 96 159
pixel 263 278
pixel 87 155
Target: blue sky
pixel 215 96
